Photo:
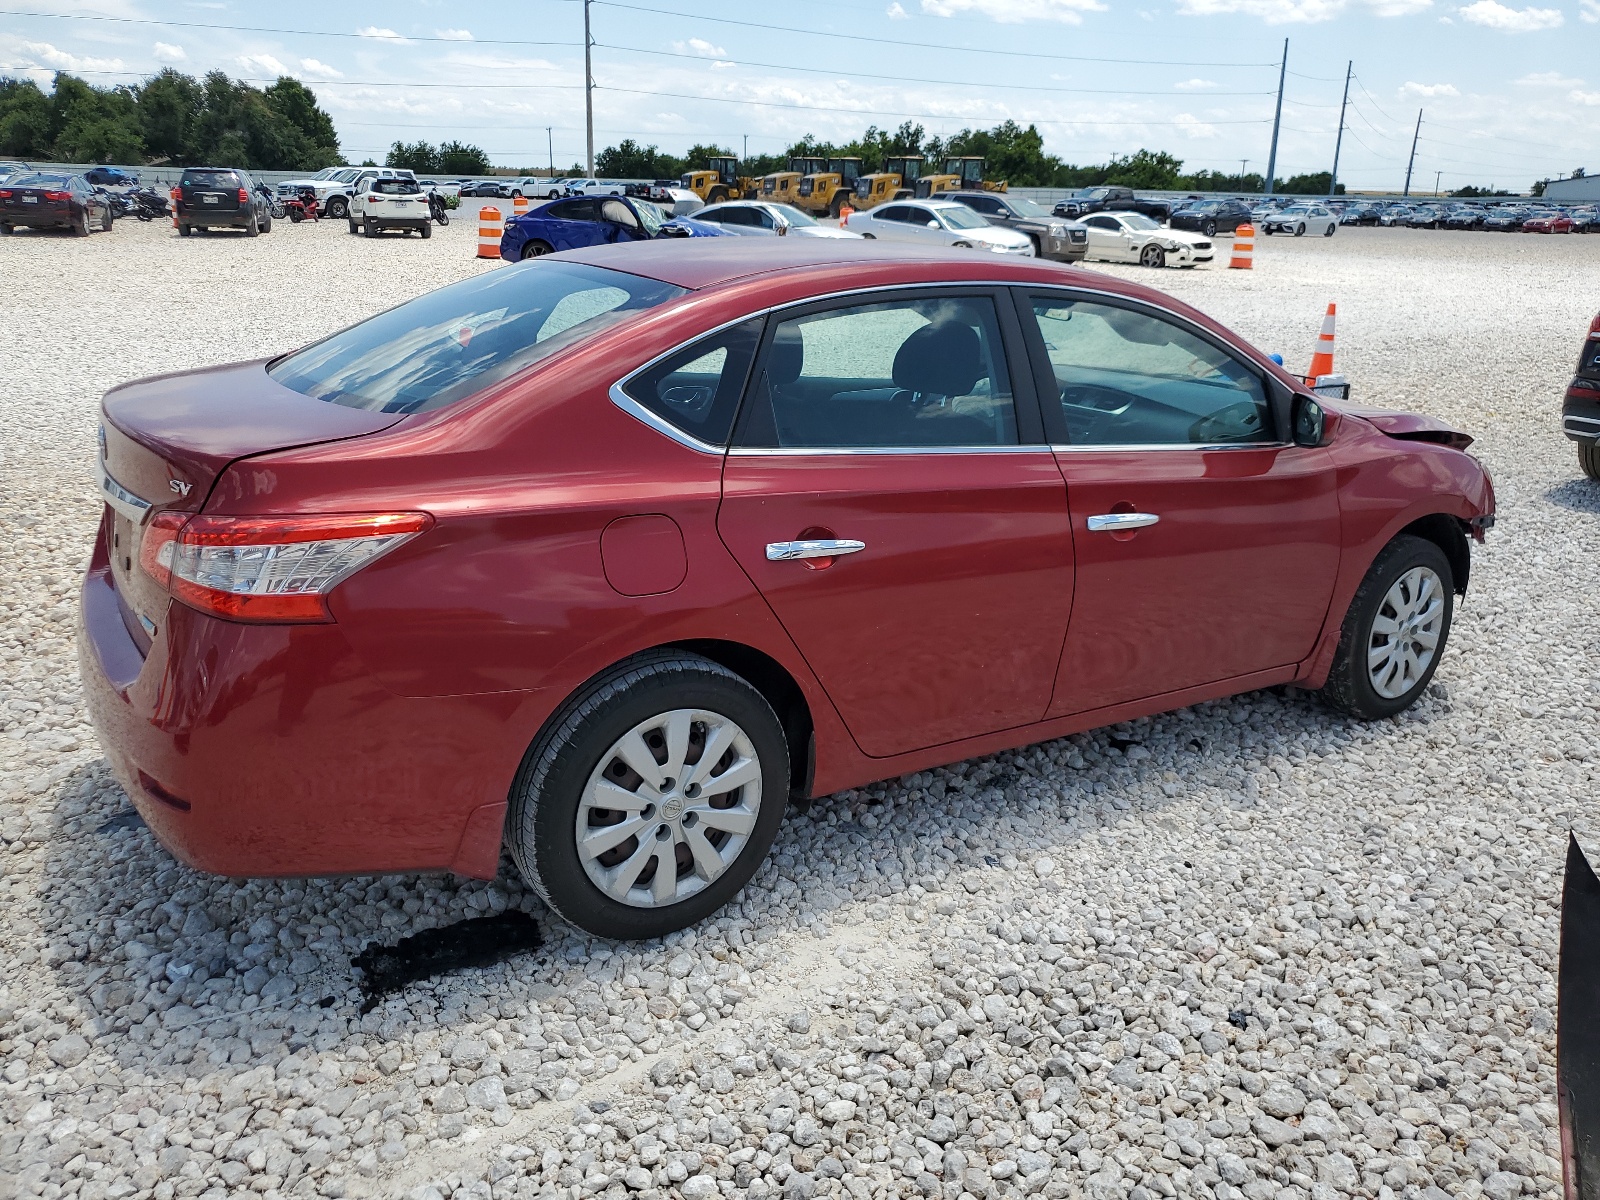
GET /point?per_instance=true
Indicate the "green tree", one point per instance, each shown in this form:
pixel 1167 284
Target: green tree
pixel 630 160
pixel 1145 169
pixel 296 104
pixel 458 158
pixel 1010 152
pixel 1314 184
pixel 416 156
pixel 168 102
pixel 24 119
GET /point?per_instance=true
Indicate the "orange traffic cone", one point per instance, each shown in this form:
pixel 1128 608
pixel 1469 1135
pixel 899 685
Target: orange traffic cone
pixel 1244 244
pixel 1322 360
pixel 845 213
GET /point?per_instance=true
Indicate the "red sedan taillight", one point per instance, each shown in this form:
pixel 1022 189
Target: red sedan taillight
pixel 58 196
pixel 5 193
pixel 267 568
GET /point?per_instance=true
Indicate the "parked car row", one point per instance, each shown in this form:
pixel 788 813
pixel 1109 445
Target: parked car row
pixel 1508 217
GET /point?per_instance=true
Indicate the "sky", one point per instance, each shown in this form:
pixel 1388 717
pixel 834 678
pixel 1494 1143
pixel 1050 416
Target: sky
pixel 1507 94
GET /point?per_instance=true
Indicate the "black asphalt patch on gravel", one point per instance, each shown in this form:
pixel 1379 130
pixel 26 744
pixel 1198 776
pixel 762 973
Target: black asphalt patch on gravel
pixel 478 942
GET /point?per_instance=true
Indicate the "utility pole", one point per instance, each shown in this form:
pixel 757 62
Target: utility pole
pixel 746 148
pixel 1437 175
pixel 1333 177
pixel 550 142
pixel 1277 117
pixel 588 83
pixel 1411 162
pixel 1243 164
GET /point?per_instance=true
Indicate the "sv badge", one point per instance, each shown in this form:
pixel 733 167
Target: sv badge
pixel 179 486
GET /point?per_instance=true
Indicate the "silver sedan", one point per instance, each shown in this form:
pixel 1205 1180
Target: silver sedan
pixel 764 218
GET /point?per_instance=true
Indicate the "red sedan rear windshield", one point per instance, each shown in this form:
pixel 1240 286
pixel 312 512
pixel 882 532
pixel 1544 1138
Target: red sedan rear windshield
pixel 451 343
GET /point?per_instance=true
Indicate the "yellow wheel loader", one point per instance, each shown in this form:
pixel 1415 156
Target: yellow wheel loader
pixel 781 187
pixel 721 181
pixel 823 193
pixel 896 181
pixel 962 173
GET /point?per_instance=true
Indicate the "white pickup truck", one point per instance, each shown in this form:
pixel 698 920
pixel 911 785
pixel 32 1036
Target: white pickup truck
pixel 335 185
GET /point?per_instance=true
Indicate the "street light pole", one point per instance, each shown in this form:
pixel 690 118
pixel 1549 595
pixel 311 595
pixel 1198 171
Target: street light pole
pixel 1277 117
pixel 588 84
pixel 550 142
pixel 1333 177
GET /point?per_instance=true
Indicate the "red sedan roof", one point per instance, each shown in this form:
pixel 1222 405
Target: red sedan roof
pixel 697 263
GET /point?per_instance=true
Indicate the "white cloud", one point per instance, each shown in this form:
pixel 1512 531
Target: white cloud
pixel 262 64
pixel 1193 127
pixel 1548 79
pixel 373 31
pixel 1010 12
pixel 1195 85
pixel 1590 98
pixel 722 65
pixel 320 70
pixel 700 48
pixel 454 35
pixel 1428 89
pixel 1493 15
pixel 895 13
pixel 45 55
pixel 1299 12
pixel 1589 10
pixel 168 53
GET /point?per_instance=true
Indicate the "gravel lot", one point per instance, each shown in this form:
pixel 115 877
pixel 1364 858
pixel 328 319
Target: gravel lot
pixel 1248 948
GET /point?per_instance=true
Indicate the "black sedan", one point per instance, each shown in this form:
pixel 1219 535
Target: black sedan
pixel 1208 216
pixel 1504 221
pixel 1060 238
pixel 491 191
pixel 52 200
pixel 1463 218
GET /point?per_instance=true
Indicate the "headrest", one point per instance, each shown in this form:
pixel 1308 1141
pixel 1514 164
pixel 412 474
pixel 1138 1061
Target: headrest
pixel 944 359
pixel 788 356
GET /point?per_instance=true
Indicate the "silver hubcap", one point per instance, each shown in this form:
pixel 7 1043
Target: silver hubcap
pixel 1405 633
pixel 669 808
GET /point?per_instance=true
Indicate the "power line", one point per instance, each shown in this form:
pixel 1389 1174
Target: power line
pixel 881 112
pixel 366 37
pixel 878 75
pixel 399 83
pixel 882 41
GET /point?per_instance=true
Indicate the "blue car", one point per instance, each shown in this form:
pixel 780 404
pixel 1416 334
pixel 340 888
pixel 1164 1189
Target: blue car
pixel 579 221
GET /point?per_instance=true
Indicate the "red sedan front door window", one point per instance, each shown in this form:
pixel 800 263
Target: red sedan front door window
pixel 1206 544
pixel 880 498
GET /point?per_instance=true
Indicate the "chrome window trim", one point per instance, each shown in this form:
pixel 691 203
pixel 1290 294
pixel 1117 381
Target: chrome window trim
pixel 120 498
pixel 1140 447
pixel 633 408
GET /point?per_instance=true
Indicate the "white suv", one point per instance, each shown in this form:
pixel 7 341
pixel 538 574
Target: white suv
pixel 389 203
pixel 334 194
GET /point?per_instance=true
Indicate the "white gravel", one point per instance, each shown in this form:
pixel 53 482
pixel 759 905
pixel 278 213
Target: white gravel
pixel 1249 948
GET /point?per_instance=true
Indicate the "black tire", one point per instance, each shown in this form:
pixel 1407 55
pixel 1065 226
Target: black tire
pixel 1349 688
pixel 80 224
pixel 1209 229
pixel 105 222
pixel 253 226
pixel 338 207
pixel 1328 232
pixel 717 195
pixel 546 797
pixel 836 205
pixel 1038 248
pixel 368 229
pixel 354 228
pixel 266 225
pixel 871 237
pixel 1300 229
pixel 1153 256
pixel 516 194
pixel 535 249
pixel 961 245
pixel 1589 459
pixel 426 231
pixel 185 230
pixel 5 230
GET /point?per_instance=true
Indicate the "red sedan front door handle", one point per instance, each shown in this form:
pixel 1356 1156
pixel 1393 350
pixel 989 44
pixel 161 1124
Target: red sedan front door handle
pixel 812 548
pixel 1121 522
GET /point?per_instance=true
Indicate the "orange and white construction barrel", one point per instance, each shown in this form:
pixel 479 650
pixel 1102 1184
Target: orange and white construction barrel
pixel 1244 246
pixel 490 226
pixel 520 205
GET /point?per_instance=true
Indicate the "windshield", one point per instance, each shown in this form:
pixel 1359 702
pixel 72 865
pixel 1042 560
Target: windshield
pixel 1024 207
pixel 650 217
pixel 1135 220
pixel 793 215
pixel 962 217
pixel 451 343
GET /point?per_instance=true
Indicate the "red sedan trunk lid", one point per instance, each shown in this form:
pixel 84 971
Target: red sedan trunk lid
pixel 164 442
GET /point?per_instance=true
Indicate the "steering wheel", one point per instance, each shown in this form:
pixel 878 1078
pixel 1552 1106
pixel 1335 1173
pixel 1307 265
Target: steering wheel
pixel 1239 422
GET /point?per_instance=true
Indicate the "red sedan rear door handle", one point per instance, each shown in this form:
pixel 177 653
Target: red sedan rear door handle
pixel 1121 522
pixel 814 548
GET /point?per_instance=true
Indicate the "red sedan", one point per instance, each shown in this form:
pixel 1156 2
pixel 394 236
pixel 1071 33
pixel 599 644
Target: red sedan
pixel 1548 222
pixel 604 557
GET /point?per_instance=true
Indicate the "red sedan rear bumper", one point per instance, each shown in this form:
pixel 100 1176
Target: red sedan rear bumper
pixel 268 750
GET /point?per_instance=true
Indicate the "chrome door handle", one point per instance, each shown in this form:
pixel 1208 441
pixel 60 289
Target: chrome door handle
pixel 821 548
pixel 1117 522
